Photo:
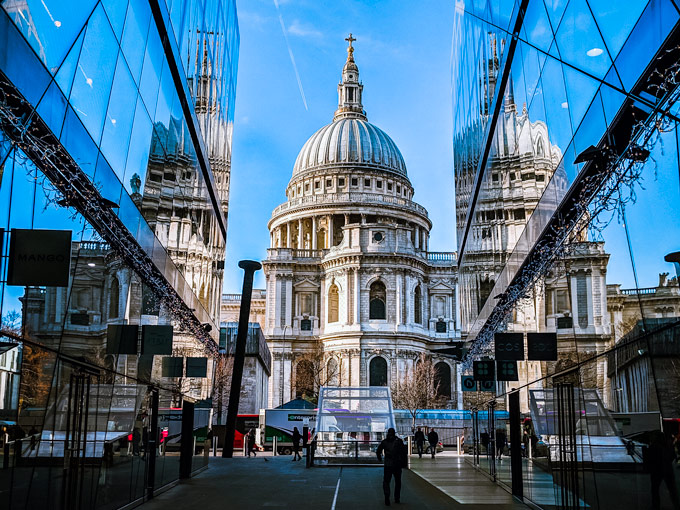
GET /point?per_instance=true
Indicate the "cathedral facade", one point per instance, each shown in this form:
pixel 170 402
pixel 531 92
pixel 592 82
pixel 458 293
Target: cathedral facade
pixel 353 295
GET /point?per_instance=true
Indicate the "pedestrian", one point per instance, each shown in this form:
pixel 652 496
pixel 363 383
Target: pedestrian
pixel 658 458
pixel 251 443
pixel 395 460
pixel 485 439
pixel 297 437
pixel 136 438
pixel 433 439
pixel 419 438
pixel 525 443
pixel 501 441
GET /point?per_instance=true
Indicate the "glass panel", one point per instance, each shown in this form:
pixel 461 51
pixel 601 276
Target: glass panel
pixel 92 83
pixel 579 41
pixel 50 26
pixel 135 32
pixel 119 119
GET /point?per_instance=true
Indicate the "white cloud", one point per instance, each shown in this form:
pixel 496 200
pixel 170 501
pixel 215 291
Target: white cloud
pixel 302 30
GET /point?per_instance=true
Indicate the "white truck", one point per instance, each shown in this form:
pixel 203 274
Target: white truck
pixel 279 424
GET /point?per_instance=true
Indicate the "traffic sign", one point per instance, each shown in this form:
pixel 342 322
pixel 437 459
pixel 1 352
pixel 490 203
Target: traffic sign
pixel 468 383
pixel 507 370
pixel 509 346
pixel 542 346
pixel 487 386
pixel 483 370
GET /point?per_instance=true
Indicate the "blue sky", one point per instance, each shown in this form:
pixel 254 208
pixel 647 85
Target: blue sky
pixel 403 51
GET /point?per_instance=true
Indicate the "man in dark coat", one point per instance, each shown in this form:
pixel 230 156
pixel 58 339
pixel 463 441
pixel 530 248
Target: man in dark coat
pixel 433 439
pixel 419 438
pixel 395 459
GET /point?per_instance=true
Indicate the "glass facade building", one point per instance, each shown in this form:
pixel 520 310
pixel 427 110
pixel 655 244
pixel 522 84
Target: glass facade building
pixel 567 190
pixel 116 123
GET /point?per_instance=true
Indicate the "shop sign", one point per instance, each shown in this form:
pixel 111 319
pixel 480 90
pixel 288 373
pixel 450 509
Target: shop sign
pixel 39 258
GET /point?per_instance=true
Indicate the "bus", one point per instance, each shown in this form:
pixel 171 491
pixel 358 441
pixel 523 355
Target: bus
pixel 279 424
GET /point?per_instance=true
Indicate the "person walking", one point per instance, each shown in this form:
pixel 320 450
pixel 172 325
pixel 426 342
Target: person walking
pixel 501 441
pixel 395 459
pixel 419 438
pixel 658 458
pixel 251 443
pixel 297 437
pixel 433 439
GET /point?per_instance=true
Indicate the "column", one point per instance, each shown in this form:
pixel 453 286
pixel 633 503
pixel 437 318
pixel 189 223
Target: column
pixel 300 245
pixel 417 237
pixel 399 298
pixel 357 297
pixel 330 231
pixel 313 232
pixel 288 234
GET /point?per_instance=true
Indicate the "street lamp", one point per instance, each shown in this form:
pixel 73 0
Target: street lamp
pixel 674 258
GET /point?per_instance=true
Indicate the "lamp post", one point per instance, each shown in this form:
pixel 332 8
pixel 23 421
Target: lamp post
pixel 249 267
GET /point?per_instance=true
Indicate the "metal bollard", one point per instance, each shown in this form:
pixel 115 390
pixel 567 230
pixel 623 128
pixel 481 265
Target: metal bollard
pixel 409 441
pixel 274 452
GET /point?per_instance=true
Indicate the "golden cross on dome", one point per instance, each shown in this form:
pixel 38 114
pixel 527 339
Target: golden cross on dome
pixel 350 39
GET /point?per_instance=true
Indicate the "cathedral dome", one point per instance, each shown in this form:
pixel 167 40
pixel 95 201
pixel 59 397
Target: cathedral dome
pixel 350 141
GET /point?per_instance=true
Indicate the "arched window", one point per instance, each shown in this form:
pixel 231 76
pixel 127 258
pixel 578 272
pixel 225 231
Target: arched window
pixel 443 378
pixel 377 302
pixel 417 306
pixel 304 378
pixel 378 372
pixel 332 372
pixel 333 304
pixel 114 298
pixel 539 148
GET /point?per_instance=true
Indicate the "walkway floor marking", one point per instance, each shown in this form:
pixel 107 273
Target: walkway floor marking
pixel 337 488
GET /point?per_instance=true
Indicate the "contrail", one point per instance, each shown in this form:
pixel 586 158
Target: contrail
pixel 290 52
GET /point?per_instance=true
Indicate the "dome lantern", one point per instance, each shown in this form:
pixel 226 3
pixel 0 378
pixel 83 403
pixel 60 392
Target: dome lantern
pixel 350 89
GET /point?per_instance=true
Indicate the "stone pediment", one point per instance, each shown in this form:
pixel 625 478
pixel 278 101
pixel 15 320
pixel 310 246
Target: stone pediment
pixel 306 285
pixel 440 286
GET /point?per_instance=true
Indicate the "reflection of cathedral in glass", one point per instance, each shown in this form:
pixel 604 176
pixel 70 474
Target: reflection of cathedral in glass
pixel 522 162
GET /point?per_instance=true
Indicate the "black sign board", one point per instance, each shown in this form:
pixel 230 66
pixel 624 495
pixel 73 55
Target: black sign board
pixel 487 386
pixel 157 340
pixel 197 367
pixel 506 370
pixel 173 367
pixel 305 325
pixel 509 346
pixel 542 346
pixel 121 339
pixel 440 326
pixel 483 370
pixel 468 383
pixel 39 257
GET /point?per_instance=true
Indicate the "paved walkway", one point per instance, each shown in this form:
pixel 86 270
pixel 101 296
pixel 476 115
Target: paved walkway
pixel 277 482
pixel 457 478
